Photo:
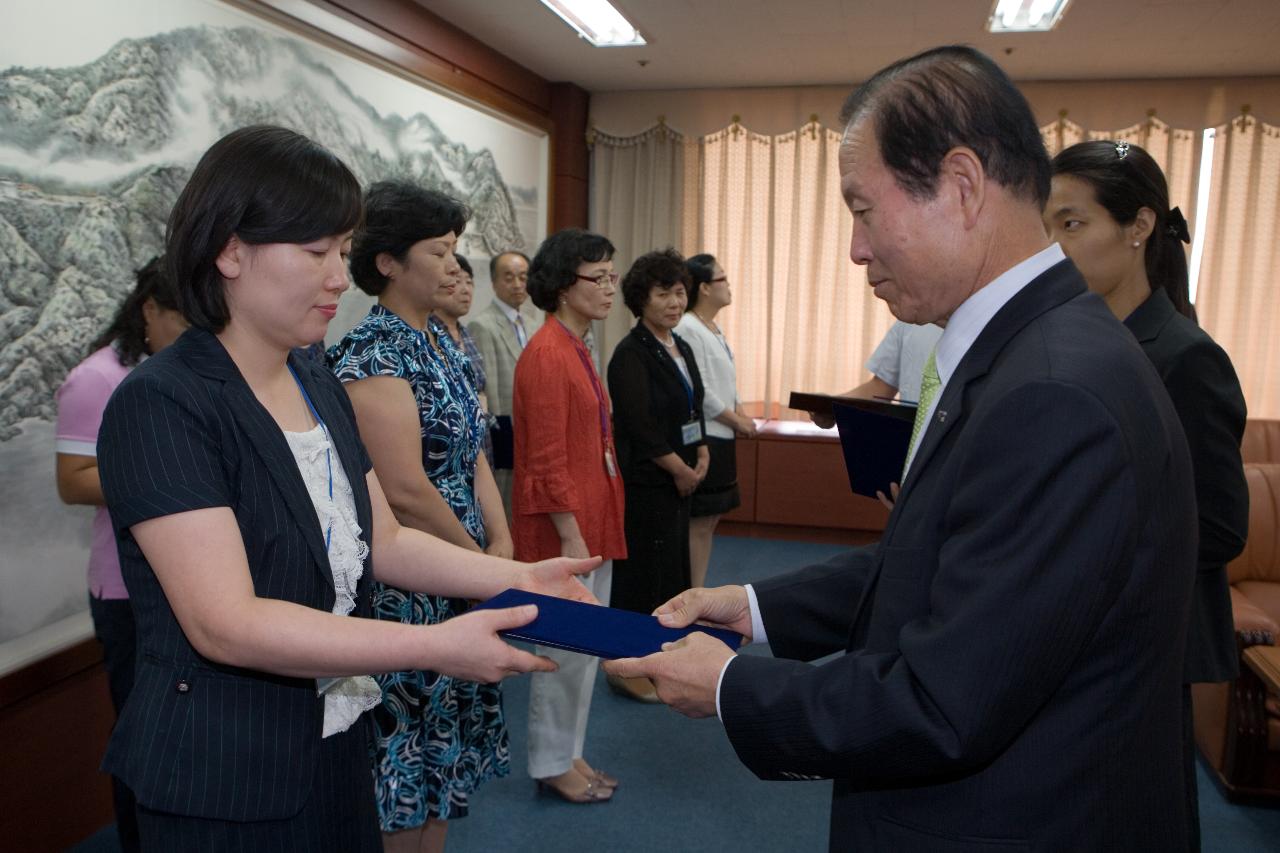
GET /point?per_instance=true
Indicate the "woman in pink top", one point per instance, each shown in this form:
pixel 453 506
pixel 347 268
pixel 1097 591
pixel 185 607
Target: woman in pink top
pixel 147 322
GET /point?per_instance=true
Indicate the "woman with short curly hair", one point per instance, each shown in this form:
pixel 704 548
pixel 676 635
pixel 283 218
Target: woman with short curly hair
pixel 662 452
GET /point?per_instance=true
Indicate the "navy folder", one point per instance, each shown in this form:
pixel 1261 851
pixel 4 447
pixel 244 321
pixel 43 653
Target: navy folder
pixel 874 435
pixel 591 629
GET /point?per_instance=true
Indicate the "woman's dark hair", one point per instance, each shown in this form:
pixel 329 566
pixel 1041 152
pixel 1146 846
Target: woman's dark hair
pixel 128 329
pixel 554 269
pixel 262 184
pixel 663 268
pixel 398 215
pixel 927 104
pixel 1124 184
pixel 701 271
pixel 465 264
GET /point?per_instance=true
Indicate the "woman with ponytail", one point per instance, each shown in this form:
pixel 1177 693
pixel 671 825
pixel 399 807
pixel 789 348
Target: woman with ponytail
pixel 1109 208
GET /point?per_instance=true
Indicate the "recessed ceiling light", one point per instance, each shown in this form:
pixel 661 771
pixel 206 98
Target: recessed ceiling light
pixel 1024 16
pixel 597 22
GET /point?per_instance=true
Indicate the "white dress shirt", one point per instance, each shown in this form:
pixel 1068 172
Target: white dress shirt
pixel 719 376
pixel 516 319
pixel 963 328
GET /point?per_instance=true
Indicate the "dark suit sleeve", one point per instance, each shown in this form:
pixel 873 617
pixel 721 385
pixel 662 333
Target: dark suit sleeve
pixel 1035 542
pixel 1210 405
pixel 807 612
pixel 158 455
pixel 632 407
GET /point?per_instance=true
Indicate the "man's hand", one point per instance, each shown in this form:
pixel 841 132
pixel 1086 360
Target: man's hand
pixel 721 606
pixel 824 421
pixel 558 577
pixel 890 499
pixel 685 673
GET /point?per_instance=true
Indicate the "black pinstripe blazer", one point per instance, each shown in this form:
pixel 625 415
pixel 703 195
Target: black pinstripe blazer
pixel 184 432
pixel 1210 404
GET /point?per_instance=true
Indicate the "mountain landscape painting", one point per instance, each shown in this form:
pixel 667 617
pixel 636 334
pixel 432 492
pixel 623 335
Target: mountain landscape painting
pixel 94 153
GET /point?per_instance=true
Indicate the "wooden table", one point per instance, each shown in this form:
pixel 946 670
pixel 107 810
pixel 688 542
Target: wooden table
pixel 1265 661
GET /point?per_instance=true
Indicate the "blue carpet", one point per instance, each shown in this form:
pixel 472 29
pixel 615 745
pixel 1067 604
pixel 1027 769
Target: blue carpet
pixel 683 789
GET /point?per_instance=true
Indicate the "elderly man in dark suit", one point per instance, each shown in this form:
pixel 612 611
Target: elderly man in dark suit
pixel 1012 648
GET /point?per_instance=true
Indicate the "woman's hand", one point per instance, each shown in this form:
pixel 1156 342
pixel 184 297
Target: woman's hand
pixel 704 463
pixel 687 480
pixel 468 646
pixel 574 547
pixel 501 547
pixel 558 577
pixel 746 427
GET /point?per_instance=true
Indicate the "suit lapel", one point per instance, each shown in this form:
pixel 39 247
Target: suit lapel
pixel 266 439
pixel 507 331
pixel 1054 286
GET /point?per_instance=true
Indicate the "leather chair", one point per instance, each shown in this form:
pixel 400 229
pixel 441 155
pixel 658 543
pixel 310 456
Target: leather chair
pixel 1237 724
pixel 1261 442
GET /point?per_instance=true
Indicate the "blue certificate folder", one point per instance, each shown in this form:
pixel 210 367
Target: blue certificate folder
pixel 874 435
pixel 591 629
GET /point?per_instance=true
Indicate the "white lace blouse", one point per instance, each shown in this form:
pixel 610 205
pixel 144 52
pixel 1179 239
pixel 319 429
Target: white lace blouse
pixel 348 697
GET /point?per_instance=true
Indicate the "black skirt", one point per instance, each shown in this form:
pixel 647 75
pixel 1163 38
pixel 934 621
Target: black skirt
pixel 718 492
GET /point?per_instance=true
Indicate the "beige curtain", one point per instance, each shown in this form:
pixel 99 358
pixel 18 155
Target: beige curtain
pixel 1236 300
pixel 769 208
pixel 1176 152
pixel 641 188
pixel 802 318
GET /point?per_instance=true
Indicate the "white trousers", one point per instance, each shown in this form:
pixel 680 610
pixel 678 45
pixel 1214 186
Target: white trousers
pixel 560 701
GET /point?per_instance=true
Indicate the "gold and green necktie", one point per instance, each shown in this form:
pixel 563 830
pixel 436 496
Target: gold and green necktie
pixel 930 382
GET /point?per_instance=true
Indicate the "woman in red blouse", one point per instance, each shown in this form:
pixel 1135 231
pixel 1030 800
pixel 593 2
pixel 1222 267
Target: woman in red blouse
pixel 567 493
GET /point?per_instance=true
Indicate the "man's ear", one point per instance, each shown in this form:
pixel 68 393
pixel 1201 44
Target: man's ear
pixel 962 168
pixel 231 259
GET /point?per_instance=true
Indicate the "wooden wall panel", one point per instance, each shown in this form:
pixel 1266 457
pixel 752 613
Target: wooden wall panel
pixel 802 481
pixel 53 793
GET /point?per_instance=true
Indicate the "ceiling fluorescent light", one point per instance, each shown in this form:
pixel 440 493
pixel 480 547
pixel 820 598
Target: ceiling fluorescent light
pixel 597 22
pixel 1024 16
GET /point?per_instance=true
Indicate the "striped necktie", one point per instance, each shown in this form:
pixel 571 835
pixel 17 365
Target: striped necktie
pixel 520 334
pixel 930 382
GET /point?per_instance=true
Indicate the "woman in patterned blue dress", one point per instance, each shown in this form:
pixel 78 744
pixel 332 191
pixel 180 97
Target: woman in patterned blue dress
pixel 437 738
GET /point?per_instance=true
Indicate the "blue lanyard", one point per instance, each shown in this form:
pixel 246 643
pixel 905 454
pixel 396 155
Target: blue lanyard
pixel 688 388
pixel 328 458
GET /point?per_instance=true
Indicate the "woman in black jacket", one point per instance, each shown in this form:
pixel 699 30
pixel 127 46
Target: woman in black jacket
pixel 660 434
pixel 1109 208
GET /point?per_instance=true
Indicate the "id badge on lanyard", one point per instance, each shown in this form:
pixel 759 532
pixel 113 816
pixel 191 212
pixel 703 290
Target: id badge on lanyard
pixel 691 433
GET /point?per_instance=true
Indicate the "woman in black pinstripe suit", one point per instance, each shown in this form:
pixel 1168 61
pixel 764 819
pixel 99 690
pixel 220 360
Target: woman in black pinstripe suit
pixel 247 517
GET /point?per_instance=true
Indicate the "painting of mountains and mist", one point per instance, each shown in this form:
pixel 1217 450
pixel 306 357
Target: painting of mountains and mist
pixel 99 130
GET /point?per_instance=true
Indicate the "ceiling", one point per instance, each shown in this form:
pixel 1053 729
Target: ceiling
pixel 735 43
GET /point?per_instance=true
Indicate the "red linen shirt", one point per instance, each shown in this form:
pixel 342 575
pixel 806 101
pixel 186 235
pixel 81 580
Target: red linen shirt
pixel 560 450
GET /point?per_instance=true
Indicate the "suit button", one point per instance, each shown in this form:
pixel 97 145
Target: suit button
pixel 183 687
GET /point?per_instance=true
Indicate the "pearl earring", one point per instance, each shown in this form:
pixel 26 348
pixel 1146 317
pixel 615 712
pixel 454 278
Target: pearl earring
pixel 1136 244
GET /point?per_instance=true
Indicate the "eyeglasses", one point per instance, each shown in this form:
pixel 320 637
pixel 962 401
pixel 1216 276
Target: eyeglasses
pixel 602 280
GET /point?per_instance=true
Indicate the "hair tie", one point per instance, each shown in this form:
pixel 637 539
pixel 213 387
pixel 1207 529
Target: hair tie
pixel 1176 226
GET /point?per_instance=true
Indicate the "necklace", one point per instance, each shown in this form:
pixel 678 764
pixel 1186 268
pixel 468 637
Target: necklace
pixel 710 324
